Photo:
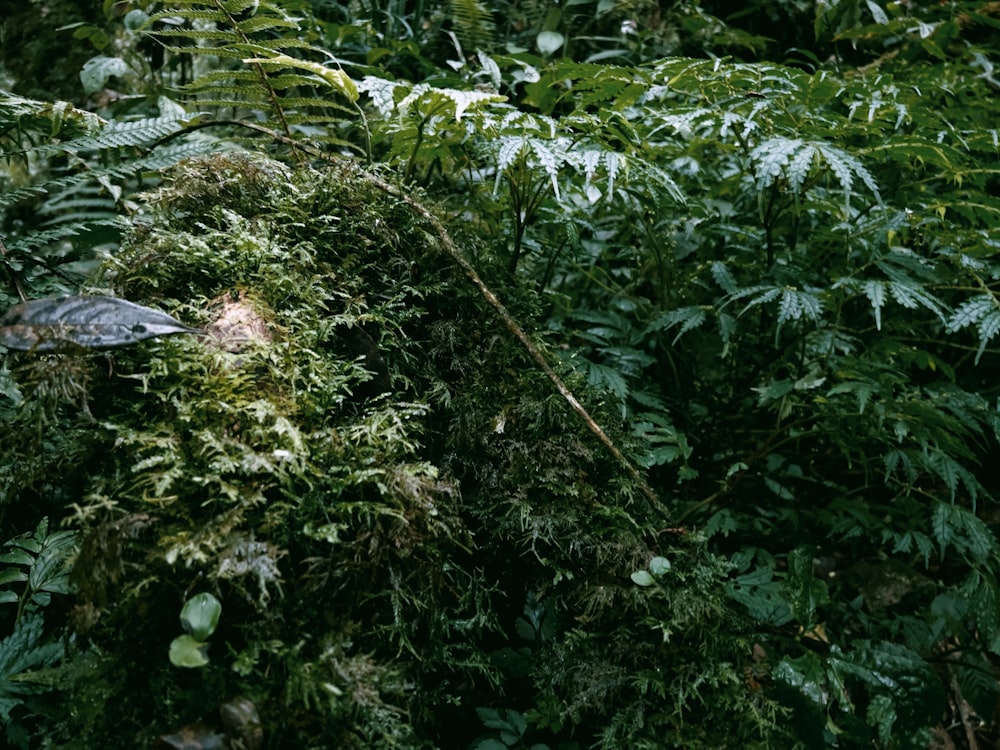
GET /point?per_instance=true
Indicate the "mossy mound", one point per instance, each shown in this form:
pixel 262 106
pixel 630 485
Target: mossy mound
pixel 402 518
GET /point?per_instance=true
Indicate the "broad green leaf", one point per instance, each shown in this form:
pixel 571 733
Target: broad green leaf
pixel 549 42
pixel 97 70
pixel 643 578
pixel 200 615
pixel 186 651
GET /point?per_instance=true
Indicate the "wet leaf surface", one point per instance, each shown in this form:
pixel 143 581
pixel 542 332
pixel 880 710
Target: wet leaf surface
pixel 89 322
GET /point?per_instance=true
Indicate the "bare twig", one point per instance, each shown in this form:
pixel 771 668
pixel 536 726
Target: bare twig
pixel 963 711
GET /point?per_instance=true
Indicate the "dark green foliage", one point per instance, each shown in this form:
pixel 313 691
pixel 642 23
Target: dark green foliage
pixel 367 544
pixel 47 63
pixel 69 179
pixel 773 284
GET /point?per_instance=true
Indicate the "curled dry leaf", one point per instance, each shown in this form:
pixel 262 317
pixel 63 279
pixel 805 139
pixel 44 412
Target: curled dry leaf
pixel 236 323
pixel 90 322
pixel 243 723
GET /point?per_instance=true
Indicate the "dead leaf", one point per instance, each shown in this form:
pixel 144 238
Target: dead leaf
pixel 237 324
pixel 90 322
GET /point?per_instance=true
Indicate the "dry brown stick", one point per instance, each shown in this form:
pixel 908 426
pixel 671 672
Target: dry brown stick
pixel 963 710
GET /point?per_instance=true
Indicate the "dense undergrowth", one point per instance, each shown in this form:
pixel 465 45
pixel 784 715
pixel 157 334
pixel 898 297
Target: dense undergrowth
pixel 760 247
pixel 399 515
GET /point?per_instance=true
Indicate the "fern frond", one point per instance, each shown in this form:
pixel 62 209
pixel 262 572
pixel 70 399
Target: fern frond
pixel 119 135
pixel 26 116
pixel 684 318
pixel 272 82
pixel 40 239
pixel 23 651
pixel 795 159
pixel 473 24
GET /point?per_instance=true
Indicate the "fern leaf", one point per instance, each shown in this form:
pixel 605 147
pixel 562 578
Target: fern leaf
pixel 44 238
pixel 789 307
pixel 20 653
pixel 863 392
pixel 234 7
pixel 723 277
pixel 799 167
pixel 971 312
pixel 117 135
pixel 614 163
pixel 509 150
pixel 771 156
pixel 941 527
pixel 202 14
pixel 912 297
pixel 220 76
pixel 793 159
pixel 764 295
pixel 988 328
pixel 465 99
pixel 550 156
pixel 234 54
pixel 898 459
pixel 954 526
pixel 473 23
pixel 588 160
pixel 846 166
pixel 875 291
pixel 687 318
pixel 258 24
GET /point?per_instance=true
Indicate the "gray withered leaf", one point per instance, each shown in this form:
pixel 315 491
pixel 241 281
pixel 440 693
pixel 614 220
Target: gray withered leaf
pixel 90 322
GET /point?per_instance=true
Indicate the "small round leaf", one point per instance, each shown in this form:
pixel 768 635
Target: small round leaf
pixel 659 566
pixel 643 578
pixel 135 19
pixel 200 615
pixel 185 651
pixel 549 41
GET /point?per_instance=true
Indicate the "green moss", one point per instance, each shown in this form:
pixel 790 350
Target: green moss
pixel 363 466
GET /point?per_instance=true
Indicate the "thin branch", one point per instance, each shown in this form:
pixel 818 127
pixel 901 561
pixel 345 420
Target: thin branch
pixel 963 710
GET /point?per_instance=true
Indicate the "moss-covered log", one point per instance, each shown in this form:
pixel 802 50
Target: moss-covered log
pixel 402 518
